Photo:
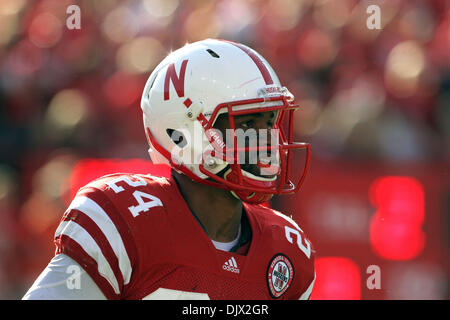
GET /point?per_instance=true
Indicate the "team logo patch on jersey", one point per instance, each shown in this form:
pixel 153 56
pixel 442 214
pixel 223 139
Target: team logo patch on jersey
pixel 279 275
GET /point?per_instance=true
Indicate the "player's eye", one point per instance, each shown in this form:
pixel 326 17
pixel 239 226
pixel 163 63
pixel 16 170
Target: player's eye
pixel 247 124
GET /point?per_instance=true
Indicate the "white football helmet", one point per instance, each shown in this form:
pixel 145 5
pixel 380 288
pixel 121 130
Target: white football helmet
pixel 186 93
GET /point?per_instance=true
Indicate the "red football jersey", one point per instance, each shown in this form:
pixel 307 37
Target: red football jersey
pixel 137 239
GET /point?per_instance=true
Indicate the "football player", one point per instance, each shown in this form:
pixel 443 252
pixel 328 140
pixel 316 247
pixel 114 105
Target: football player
pixel 215 111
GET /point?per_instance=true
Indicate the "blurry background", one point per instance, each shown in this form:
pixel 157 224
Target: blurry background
pixel 375 107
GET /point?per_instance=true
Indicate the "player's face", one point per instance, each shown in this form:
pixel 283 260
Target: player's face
pixel 254 129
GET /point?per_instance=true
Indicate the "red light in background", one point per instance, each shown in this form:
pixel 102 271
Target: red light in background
pixel 87 170
pixel 395 229
pixel 399 198
pixel 395 240
pixel 337 278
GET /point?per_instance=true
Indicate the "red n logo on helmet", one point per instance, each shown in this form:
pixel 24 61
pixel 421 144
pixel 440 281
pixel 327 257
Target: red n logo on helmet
pixel 178 81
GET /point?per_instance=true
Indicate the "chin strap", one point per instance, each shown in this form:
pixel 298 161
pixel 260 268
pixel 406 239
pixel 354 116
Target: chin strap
pixel 250 196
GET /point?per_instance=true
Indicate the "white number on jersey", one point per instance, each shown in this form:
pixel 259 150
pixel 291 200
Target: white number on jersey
pixel 305 249
pixel 117 189
pixel 143 206
pixel 138 195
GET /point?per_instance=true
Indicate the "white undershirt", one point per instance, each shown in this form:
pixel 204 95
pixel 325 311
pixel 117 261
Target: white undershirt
pixel 226 246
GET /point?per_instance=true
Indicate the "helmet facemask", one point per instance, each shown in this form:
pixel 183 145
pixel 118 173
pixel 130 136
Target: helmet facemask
pixel 252 169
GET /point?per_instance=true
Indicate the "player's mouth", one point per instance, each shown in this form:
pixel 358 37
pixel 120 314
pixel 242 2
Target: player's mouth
pixel 268 167
pixel 264 167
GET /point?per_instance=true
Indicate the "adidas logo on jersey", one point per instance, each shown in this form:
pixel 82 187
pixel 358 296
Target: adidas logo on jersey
pixel 231 265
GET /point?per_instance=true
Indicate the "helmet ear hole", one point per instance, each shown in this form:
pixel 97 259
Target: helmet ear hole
pixel 177 137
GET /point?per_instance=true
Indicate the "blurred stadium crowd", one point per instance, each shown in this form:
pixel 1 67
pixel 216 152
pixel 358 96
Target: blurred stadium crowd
pixel 366 95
